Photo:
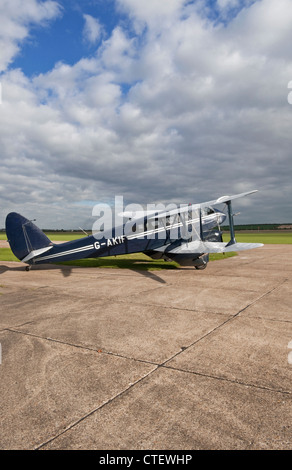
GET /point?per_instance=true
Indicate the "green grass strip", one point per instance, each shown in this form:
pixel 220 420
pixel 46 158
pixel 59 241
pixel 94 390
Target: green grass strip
pixel 142 262
pixel 132 261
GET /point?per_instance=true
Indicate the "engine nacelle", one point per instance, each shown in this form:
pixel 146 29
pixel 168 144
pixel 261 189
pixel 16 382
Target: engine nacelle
pixel 215 236
pixel 198 260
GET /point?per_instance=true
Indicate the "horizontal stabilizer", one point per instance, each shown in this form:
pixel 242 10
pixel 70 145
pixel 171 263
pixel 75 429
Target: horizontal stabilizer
pixel 209 247
pixel 35 253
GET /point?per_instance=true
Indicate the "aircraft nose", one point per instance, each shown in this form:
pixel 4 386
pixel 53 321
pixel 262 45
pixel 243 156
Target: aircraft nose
pixel 222 218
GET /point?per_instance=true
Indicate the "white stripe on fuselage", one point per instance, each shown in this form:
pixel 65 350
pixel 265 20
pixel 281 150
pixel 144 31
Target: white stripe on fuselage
pixel 66 253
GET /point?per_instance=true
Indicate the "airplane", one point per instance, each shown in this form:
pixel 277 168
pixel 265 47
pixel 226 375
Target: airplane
pixel 186 235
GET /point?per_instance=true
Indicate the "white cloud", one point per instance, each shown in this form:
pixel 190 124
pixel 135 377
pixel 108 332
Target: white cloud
pixel 92 29
pixel 264 29
pixel 152 13
pixel 16 17
pixel 225 6
pixel 181 113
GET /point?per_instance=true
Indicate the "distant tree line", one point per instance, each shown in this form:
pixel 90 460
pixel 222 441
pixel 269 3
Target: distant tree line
pixel 260 227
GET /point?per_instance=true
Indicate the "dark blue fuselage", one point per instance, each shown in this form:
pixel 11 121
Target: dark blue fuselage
pixel 32 246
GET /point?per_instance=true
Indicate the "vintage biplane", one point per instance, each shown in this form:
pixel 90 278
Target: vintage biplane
pixel 185 234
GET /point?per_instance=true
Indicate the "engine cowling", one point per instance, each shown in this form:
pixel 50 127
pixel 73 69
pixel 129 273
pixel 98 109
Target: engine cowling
pixel 215 236
pixel 198 260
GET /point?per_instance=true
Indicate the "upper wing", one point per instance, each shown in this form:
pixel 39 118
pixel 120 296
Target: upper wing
pixel 192 207
pixel 222 199
pixel 139 216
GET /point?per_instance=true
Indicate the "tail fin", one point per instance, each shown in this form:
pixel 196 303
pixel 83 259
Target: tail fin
pixel 25 238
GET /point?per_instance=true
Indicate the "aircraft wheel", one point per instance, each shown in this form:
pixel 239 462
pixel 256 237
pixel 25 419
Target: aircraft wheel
pixel 27 268
pixel 200 268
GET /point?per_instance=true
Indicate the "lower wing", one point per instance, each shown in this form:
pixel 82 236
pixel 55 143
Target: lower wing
pixel 208 247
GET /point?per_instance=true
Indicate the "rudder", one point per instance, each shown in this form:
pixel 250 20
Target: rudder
pixel 25 237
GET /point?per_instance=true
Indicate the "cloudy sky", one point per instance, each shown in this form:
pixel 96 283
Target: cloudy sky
pixel 153 100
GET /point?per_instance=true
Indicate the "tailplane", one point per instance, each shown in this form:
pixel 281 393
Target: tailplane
pixel 26 240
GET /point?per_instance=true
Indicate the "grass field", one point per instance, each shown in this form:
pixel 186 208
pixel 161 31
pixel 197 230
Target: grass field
pixel 267 238
pixel 143 262
pixel 131 261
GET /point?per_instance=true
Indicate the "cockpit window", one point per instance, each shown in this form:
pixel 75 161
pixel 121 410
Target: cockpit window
pixel 208 211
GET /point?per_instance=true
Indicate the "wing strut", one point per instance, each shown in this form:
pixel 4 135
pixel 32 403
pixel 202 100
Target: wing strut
pixel 201 225
pixel 231 224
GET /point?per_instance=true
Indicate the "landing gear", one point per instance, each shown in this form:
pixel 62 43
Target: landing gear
pixel 201 262
pixel 201 267
pixel 27 268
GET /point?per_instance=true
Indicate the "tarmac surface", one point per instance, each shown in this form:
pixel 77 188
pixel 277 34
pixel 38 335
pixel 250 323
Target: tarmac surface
pixel 173 359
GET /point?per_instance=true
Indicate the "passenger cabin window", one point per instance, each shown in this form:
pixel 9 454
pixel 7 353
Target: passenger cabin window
pixel 137 228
